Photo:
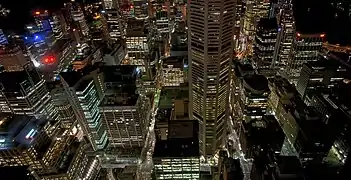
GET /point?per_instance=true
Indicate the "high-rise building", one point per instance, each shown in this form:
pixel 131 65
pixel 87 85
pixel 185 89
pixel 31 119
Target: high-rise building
pixel 305 48
pixel 114 19
pixel 211 32
pixel 24 92
pixel 286 29
pixel 308 40
pixel 264 46
pixel 319 76
pixel 254 97
pixel 124 113
pixel 137 45
pixel 174 71
pixel 3 38
pixel 261 135
pixel 79 18
pixel 84 91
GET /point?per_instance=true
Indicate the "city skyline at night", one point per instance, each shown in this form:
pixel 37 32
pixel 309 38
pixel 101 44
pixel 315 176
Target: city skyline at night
pixel 175 89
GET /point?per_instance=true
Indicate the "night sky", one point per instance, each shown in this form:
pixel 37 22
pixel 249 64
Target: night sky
pixel 327 16
pixel 21 11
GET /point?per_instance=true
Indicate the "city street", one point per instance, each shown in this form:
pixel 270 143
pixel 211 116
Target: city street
pixel 146 164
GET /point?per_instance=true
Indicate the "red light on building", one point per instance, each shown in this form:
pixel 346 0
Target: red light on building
pixel 298 34
pixel 131 7
pixel 49 60
pixel 322 35
pixel 74 30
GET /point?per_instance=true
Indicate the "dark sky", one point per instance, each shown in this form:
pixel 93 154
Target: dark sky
pixel 325 16
pixel 21 11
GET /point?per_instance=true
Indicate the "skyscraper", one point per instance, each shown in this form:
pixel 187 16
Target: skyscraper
pixel 114 19
pixel 264 43
pixel 211 31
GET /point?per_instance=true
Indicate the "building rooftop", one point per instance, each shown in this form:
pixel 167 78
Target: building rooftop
pixel 289 165
pixel 123 96
pixel 257 84
pixel 242 69
pixel 268 24
pixel 182 140
pixel 136 28
pixel 283 85
pixel 16 172
pixel 19 130
pixel 11 81
pixel 120 74
pixel 72 77
pixel 175 61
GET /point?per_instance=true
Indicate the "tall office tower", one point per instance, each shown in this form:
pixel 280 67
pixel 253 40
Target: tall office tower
pixel 57 23
pixel 163 22
pixel 98 30
pixel 254 97
pixel 124 113
pixel 264 135
pixel 177 157
pixel 308 40
pixel 83 90
pixel 114 19
pixel 249 19
pixel 211 32
pixel 320 75
pixel 335 108
pixel 24 92
pixel 263 47
pixel 79 18
pixel 305 48
pixel 3 38
pixel 12 58
pixel 285 37
pixel 24 142
pixel 68 118
pixel 239 23
pixel 255 10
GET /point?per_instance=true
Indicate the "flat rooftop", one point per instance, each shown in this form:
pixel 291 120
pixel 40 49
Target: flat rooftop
pixel 12 80
pixel 123 96
pixel 19 130
pixel 182 140
pixel 120 73
pixel 258 83
pixel 175 61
